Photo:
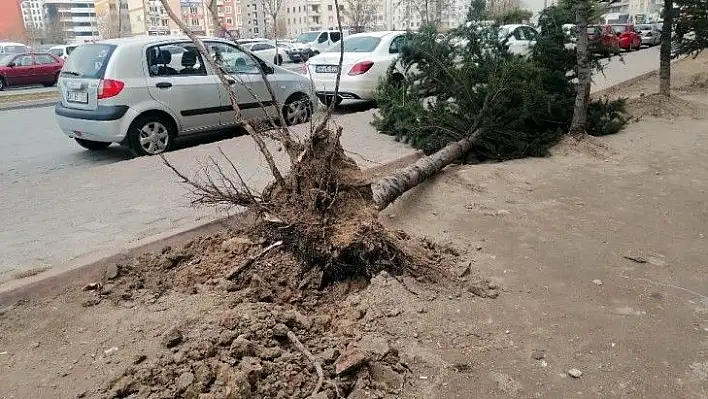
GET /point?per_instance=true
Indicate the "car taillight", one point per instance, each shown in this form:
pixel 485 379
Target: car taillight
pixel 108 88
pixel 361 68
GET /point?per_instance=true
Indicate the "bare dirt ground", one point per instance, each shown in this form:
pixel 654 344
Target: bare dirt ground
pixel 590 262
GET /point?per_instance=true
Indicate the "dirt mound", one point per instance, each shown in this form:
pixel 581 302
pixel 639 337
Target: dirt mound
pixel 281 323
pixel 698 83
pixel 658 106
pixel 583 145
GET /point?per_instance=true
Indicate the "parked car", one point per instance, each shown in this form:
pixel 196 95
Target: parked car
pixel 311 43
pixel 367 57
pixel 602 39
pixel 29 69
pixel 13 48
pixel 520 39
pixel 62 51
pixel 650 34
pixel 629 39
pixel 135 92
pixel 267 49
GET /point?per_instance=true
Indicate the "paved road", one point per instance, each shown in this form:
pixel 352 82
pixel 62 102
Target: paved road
pixel 61 205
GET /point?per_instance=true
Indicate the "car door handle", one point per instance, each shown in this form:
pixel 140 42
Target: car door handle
pixel 163 85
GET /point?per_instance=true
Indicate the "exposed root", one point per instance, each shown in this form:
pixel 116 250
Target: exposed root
pixel 318 367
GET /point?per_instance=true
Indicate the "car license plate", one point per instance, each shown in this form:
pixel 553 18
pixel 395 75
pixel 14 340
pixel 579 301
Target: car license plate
pixel 77 97
pixel 326 68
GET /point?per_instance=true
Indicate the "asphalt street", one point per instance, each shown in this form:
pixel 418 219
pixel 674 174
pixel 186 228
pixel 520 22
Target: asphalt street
pixel 59 202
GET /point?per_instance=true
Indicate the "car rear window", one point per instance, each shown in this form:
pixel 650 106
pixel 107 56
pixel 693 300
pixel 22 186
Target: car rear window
pixel 359 44
pixel 89 61
pixel 10 49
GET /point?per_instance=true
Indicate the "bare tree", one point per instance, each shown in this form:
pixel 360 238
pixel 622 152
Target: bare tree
pixel 360 14
pixel 109 26
pixel 582 97
pixel 429 11
pixel 272 9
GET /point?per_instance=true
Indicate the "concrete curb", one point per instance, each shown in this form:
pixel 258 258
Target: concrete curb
pixel 92 267
pixel 29 104
pixel 619 86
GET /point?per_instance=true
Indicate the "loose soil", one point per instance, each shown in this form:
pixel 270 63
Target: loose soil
pixel 581 274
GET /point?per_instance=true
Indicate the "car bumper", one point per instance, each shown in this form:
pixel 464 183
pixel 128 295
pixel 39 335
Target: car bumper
pixel 648 40
pixel 350 87
pixel 106 124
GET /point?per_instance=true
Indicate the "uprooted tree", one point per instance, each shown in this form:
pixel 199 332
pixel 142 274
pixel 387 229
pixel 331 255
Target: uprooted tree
pixel 485 99
pixel 325 211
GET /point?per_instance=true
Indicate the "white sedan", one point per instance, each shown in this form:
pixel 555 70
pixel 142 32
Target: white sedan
pixel 367 57
pixel 266 51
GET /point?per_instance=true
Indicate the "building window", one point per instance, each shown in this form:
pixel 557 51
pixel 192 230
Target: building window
pixel 329 7
pixel 228 9
pixel 229 21
pixel 255 30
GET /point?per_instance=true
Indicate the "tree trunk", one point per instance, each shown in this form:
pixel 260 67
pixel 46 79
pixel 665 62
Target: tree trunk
pixel 582 97
pixel 388 189
pixel 665 50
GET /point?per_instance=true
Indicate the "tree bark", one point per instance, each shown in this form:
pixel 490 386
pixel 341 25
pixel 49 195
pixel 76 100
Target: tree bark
pixel 388 189
pixel 582 97
pixel 665 50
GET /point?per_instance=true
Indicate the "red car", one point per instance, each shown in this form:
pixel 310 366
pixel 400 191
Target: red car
pixel 29 69
pixel 603 39
pixel 628 37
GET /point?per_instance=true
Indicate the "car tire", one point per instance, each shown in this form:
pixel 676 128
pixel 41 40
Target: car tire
pixel 2 83
pixel 278 60
pixel 151 134
pixel 297 109
pixel 92 145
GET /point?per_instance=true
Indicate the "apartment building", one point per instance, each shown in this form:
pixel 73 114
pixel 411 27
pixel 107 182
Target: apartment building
pixel 70 21
pixel 11 21
pixel 307 15
pixel 148 17
pixel 32 14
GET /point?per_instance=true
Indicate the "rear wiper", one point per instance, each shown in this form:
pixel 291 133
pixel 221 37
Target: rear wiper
pixel 72 73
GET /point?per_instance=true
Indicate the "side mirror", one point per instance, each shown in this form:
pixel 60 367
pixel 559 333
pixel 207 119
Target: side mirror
pixel 11 65
pixel 267 69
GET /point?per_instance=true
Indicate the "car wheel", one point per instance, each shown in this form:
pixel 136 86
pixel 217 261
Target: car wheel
pixel 151 135
pixel 297 109
pixel 2 84
pixel 92 145
pixel 278 60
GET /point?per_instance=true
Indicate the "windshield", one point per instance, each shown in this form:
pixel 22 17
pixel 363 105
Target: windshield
pixel 5 59
pixel 619 28
pixel 89 61
pixel 10 49
pixel 357 44
pixel 307 37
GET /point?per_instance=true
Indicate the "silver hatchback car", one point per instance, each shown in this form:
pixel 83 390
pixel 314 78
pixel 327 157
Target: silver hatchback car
pixel 144 92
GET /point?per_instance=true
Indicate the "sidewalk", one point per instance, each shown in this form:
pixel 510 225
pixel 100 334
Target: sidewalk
pixel 63 220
